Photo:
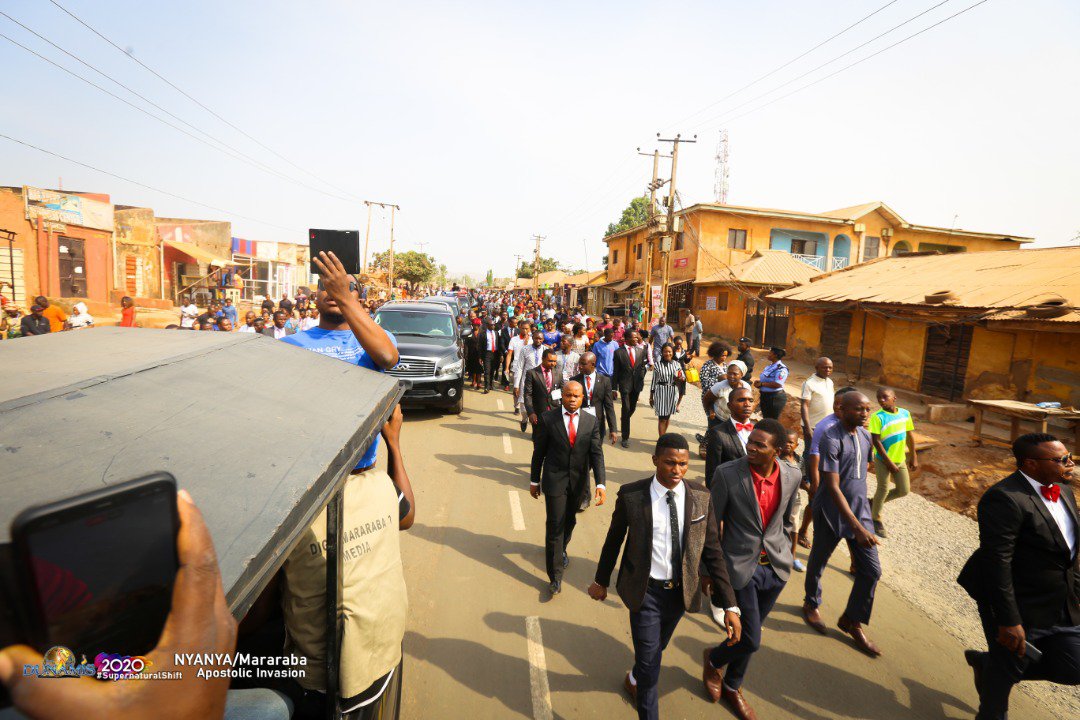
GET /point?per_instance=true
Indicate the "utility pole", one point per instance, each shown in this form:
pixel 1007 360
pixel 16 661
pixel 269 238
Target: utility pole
pixel 517 266
pixel 367 235
pixel 667 239
pixel 655 185
pixel 536 267
pixel 392 209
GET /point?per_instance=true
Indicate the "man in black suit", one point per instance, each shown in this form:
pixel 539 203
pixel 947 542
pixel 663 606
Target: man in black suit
pixel 487 349
pixel 539 384
pixel 598 401
pixel 1025 576
pixel 670 532
pixel 726 441
pixel 630 363
pixel 507 329
pixel 756 501
pixel 566 444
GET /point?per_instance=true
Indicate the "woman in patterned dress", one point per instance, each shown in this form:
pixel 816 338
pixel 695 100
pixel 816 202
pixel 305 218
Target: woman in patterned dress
pixel 663 393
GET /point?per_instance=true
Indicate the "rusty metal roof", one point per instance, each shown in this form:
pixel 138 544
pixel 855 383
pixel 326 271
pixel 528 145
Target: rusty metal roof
pixel 1005 279
pixel 765 267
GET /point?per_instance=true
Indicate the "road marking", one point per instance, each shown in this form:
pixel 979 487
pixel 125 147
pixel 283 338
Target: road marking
pixel 499 404
pixel 541 693
pixel 515 510
pixel 506 444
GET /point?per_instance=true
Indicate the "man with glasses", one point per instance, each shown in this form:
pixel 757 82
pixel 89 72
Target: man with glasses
pixel 1024 576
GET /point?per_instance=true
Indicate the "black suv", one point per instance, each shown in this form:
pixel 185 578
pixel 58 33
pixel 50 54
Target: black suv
pixel 430 353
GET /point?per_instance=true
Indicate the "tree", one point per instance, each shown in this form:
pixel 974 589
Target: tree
pixel 411 265
pixel 490 279
pixel 546 265
pixel 636 213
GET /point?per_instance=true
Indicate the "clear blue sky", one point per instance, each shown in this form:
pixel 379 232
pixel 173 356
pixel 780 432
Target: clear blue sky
pixel 491 121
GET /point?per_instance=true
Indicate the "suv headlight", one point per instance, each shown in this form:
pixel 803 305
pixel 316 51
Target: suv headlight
pixel 452 368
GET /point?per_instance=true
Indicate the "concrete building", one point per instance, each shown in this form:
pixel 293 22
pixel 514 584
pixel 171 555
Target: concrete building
pixel 1001 325
pixel 712 239
pixel 57 244
pixel 139 258
pixel 195 252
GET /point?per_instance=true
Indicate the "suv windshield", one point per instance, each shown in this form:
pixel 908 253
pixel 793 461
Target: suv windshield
pixel 416 323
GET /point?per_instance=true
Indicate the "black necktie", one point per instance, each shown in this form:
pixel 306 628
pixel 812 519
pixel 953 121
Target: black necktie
pixel 676 551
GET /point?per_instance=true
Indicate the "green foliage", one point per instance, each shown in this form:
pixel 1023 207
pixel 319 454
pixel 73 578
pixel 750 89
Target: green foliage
pixel 416 267
pixel 546 265
pixel 636 213
pixel 490 279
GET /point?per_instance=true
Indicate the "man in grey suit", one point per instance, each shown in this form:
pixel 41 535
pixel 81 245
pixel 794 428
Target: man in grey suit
pixel 671 533
pixel 756 499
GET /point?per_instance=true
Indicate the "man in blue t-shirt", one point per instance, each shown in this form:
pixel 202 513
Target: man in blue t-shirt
pixel 346 331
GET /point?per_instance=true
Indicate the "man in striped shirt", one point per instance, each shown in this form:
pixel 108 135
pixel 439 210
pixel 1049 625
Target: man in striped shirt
pixel 891 432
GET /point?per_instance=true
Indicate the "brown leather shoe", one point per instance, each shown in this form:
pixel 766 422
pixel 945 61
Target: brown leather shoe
pixel 710 677
pixel 855 630
pixel 630 689
pixel 738 704
pixel 813 618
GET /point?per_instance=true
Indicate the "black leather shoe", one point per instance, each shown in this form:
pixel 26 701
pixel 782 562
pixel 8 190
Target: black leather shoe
pixel 555 587
pixel 524 426
pixel 625 443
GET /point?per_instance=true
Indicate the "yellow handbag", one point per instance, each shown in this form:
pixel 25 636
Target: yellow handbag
pixel 692 375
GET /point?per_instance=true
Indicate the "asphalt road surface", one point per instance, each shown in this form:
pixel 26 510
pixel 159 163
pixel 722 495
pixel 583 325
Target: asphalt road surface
pixel 485 641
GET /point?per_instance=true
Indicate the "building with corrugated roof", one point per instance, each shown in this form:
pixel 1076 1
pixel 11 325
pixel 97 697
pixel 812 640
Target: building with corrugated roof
pixel 1001 325
pixel 710 239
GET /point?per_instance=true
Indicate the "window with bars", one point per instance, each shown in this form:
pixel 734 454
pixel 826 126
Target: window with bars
pixel 679 241
pixel 736 239
pixel 614 257
pixel 637 251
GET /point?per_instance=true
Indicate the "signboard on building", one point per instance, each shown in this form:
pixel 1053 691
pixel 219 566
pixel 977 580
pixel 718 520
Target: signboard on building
pixel 657 299
pixel 681 262
pixel 59 207
pixel 266 250
pixel 710 302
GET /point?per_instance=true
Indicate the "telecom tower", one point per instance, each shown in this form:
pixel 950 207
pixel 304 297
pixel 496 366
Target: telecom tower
pixel 720 184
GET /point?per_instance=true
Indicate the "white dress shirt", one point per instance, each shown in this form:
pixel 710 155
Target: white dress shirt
pixel 1060 513
pixel 492 341
pixel 589 385
pixel 661 569
pixel 744 435
pixel 280 332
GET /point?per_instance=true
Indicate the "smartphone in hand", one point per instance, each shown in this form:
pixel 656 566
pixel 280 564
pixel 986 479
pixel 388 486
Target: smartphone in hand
pixel 95 572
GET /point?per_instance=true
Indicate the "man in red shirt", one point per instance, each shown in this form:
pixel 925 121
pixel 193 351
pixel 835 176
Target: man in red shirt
pixel 757 548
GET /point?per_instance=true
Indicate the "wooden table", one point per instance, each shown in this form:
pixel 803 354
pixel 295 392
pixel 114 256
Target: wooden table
pixel 1017 412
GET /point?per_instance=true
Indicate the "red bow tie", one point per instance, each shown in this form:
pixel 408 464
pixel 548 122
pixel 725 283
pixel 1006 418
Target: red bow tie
pixel 1050 492
pixel 744 426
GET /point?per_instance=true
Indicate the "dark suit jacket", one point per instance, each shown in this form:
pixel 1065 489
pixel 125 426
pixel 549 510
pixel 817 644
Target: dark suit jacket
pixel 633 520
pixel 559 468
pixel 628 378
pixel 601 401
pixel 480 342
pixel 722 445
pixel 537 396
pixel 1022 567
pixel 737 510
pixel 504 339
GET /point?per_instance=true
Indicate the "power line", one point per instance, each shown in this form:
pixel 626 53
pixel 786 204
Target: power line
pixel 826 63
pixel 148 187
pixel 204 107
pixel 848 67
pixel 227 150
pixel 789 62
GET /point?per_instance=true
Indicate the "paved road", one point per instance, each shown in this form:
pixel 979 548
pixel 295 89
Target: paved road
pixel 484 641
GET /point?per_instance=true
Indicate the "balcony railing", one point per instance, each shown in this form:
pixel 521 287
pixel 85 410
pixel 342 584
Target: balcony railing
pixel 840 262
pixel 814 261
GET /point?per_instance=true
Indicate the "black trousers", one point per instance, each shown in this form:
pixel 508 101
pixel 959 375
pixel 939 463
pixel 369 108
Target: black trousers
pixel 488 363
pixel 756 601
pixel 1060 663
pixel 772 404
pixel 651 628
pixel 562 513
pixel 629 405
pixel 867 571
